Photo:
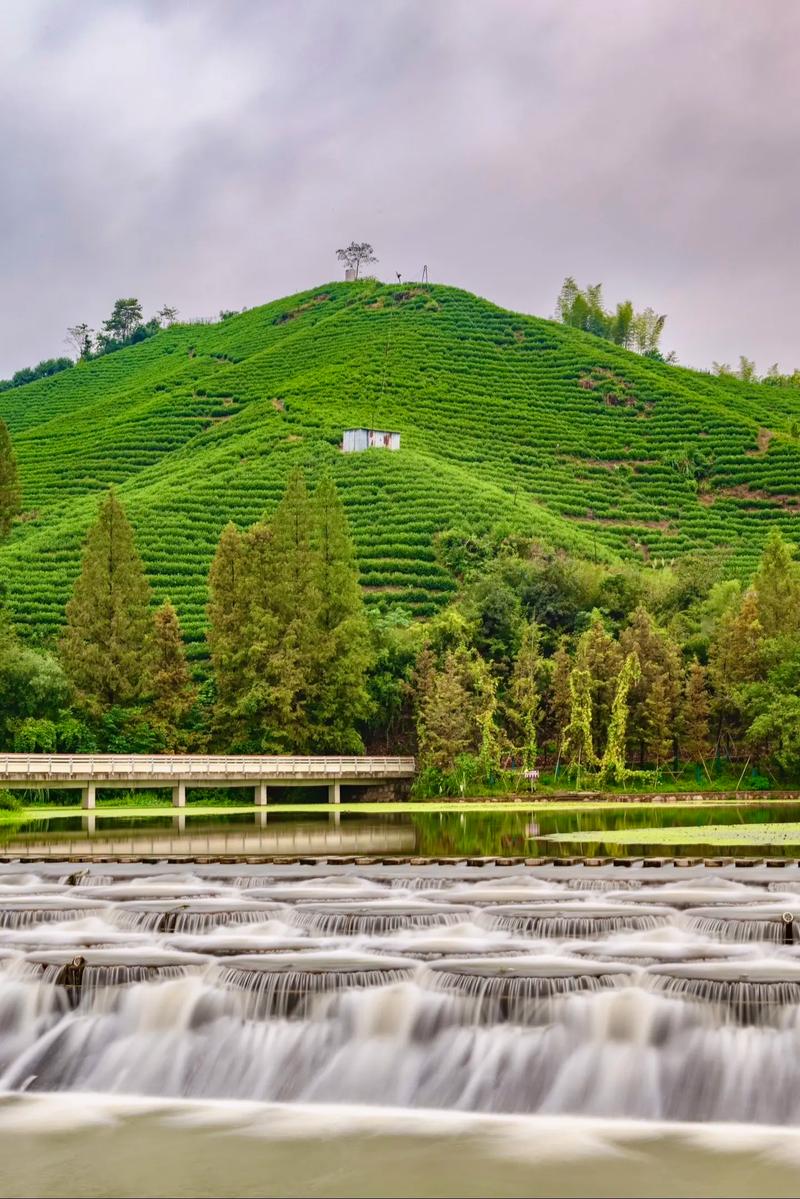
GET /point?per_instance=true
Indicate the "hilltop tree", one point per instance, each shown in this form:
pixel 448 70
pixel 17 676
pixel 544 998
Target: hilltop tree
pixel 582 308
pixel 10 492
pixel 106 646
pixel 171 683
pixel 126 316
pixel 343 648
pixel 167 315
pixel 80 338
pixel 356 255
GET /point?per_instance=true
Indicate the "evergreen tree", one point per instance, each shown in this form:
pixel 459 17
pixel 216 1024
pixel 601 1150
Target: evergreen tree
pixel 602 656
pixel 445 714
pixel 10 494
pixel 171 682
pixel 695 738
pixel 613 768
pixel 659 713
pixel 559 696
pixel 660 667
pixel 343 647
pixel 523 707
pixel 777 588
pixel 106 646
pixel 293 604
pixel 736 658
pixel 226 631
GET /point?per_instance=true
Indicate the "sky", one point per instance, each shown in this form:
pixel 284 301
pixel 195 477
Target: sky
pixel 215 153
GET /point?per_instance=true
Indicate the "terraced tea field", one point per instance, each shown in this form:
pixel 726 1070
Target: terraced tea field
pixel 503 418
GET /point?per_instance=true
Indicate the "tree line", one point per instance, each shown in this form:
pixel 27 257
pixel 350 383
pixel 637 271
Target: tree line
pixel 610 675
pixel 583 308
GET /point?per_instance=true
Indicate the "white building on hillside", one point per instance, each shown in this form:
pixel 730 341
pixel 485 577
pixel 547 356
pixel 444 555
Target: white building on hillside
pixel 355 440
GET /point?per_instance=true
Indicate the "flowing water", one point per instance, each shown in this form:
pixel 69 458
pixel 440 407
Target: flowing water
pixel 550 994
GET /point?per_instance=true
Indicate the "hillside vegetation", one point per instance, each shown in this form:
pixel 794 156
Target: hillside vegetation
pixel 505 420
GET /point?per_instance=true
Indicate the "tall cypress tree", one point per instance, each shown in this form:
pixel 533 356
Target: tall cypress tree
pixel 106 646
pixel 171 681
pixel 225 634
pixel 343 650
pixel 10 494
pixel 777 586
pixel 602 656
pixel 695 739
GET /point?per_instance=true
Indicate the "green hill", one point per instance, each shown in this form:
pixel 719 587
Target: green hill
pixel 504 418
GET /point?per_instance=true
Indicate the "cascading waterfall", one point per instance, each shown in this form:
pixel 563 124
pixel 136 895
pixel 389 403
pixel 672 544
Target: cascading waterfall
pixel 654 999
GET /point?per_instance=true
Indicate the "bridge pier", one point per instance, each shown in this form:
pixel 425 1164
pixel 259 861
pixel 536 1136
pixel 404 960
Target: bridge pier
pixel 88 796
pixel 261 794
pixel 335 792
pixel 179 795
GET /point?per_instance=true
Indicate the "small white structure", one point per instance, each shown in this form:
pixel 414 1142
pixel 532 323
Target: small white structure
pixel 350 274
pixel 355 440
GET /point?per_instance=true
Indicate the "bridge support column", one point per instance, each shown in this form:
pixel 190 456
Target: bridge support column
pixel 335 792
pixel 179 795
pixel 261 794
pixel 88 796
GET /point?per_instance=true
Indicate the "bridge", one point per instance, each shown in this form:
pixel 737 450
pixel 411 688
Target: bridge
pixel 88 772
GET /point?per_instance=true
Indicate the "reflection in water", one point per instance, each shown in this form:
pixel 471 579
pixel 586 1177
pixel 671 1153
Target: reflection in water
pixel 448 833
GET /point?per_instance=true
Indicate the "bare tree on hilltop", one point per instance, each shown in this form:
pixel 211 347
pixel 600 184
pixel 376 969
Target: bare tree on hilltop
pixel 355 255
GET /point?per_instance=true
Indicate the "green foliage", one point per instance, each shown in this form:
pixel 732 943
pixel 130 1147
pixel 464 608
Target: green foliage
pixel 10 494
pixel 613 768
pixel 583 309
pixel 29 374
pixel 505 421
pixel 9 802
pixel 106 646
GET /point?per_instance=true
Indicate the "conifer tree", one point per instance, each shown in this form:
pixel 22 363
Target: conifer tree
pixel 171 681
pixel 660 667
pixel 659 712
pixel 613 768
pixel 445 715
pixel 226 633
pixel 343 648
pixel 10 494
pixel 736 657
pixel 106 646
pixel 777 588
pixel 524 705
pixel 560 697
pixel 602 656
pixel 695 739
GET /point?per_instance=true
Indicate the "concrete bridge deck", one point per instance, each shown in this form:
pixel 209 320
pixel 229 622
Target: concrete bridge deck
pixel 87 772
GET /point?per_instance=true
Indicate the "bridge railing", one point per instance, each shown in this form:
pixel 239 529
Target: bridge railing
pixel 66 767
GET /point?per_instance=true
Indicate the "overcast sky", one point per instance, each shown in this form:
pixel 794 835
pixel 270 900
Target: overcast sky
pixel 214 153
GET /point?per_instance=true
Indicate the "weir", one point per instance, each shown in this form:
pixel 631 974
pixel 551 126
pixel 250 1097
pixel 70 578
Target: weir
pixel 515 993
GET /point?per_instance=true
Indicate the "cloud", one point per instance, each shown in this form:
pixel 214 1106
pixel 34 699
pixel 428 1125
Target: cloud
pixel 214 154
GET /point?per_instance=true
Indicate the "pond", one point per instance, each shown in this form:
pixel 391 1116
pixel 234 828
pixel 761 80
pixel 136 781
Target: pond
pixel 771 828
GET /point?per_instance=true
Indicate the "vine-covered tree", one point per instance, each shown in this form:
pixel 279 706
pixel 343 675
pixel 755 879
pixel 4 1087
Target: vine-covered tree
pixel 577 747
pixel 613 768
pixel 106 647
pixel 695 717
pixel 524 705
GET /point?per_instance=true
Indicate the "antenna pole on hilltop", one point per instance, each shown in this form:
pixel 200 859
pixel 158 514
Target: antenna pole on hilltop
pixel 424 274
